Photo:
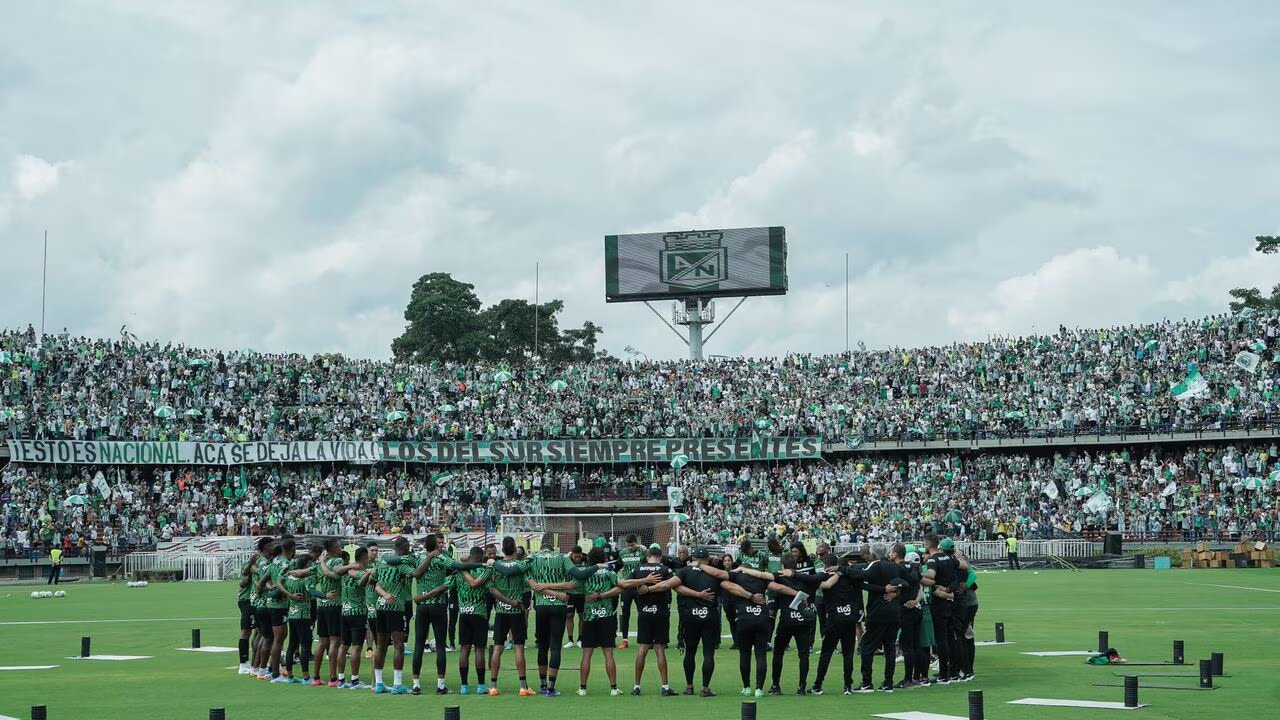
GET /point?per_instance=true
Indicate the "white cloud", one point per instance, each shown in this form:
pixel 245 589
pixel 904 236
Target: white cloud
pixel 257 175
pixel 34 177
pixel 1080 288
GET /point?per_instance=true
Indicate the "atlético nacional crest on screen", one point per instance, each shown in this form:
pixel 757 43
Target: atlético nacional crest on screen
pixel 693 260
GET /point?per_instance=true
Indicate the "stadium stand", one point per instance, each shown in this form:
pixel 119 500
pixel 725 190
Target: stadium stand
pixel 1175 377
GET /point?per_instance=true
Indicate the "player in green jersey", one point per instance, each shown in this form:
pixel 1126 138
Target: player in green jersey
pixel 507 588
pixel 299 595
pixel 245 600
pixel 631 556
pixel 371 602
pixel 393 585
pixel 472 590
pixel 600 625
pixel 276 604
pixel 576 597
pixel 355 582
pixel 328 575
pixel 433 608
pixel 550 577
pixel 261 617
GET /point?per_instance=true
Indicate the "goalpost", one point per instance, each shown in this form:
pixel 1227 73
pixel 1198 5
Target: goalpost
pixel 560 531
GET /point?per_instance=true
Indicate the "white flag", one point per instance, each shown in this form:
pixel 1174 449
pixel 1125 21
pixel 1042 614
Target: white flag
pixel 100 484
pixel 1098 503
pixel 1192 387
pixel 1247 361
pixel 1051 489
pixel 1169 489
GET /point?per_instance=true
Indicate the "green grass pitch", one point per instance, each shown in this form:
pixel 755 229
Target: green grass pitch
pixel 1236 612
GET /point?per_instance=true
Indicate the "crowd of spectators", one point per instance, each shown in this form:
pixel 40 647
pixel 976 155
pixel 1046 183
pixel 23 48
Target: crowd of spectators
pixel 1073 381
pixel 1096 381
pixel 1154 492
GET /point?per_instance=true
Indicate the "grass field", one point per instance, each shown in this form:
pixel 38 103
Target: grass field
pixel 1236 612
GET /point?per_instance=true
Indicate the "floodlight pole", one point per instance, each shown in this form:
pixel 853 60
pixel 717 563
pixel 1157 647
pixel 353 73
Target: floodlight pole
pixel 695 324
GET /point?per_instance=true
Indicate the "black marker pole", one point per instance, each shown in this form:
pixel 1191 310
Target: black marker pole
pixel 1131 691
pixel 975 705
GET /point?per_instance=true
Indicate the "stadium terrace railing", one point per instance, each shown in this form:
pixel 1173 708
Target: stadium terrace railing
pixel 195 567
pixel 997 550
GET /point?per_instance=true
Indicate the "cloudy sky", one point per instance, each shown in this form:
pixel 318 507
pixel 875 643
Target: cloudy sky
pixel 276 175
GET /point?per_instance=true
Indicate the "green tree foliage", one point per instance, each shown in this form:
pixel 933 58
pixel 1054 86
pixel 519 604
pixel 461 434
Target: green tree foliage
pixel 446 322
pixel 1253 297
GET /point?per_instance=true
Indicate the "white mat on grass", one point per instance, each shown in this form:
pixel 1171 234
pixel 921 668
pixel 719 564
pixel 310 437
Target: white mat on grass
pixel 1074 703
pixel 26 667
pixel 990 643
pixel 917 715
pixel 112 657
pixel 1062 653
pixel 210 649
pixel 7 717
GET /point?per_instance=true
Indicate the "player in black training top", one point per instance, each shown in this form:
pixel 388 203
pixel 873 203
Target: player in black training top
pixel 842 612
pixel 698 584
pixel 915 658
pixel 942 575
pixel 797 617
pixel 754 626
pixel 886 591
pixel 653 604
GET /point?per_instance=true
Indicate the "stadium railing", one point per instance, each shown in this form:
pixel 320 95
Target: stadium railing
pixel 194 567
pixel 997 550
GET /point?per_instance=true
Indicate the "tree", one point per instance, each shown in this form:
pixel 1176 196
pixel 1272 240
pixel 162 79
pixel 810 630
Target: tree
pixel 1252 298
pixel 446 323
pixel 442 321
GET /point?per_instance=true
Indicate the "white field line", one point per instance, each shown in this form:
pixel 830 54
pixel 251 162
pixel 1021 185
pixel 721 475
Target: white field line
pixel 1234 587
pixel 130 620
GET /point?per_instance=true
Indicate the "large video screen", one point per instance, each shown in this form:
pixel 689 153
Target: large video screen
pixel 696 263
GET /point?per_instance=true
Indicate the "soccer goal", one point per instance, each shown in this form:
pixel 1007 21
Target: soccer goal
pixel 561 531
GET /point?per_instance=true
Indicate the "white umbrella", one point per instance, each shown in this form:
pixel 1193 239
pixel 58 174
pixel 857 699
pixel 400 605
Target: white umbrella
pixel 446 408
pixel 395 415
pixel 193 413
pixel 679 461
pixel 502 376
pixel 165 411
pixel 75 500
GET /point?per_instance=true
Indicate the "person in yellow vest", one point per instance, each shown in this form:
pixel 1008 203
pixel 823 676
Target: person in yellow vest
pixel 55 567
pixel 1012 543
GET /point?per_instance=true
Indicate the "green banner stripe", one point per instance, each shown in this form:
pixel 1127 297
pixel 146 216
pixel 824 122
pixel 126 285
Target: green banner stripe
pixel 513 452
pixel 610 265
pixel 778 258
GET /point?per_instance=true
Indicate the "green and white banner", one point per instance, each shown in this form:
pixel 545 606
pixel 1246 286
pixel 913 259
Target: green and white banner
pixel 495 452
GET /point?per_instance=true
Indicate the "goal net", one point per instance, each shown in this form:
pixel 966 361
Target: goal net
pixel 561 531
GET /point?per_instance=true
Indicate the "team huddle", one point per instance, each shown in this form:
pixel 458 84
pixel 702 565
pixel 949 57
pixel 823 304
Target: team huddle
pixel 360 604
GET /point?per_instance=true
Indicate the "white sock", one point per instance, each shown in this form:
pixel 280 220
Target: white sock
pixel 416 683
pixel 440 683
pixel 398 675
pixel 341 677
pixel 377 676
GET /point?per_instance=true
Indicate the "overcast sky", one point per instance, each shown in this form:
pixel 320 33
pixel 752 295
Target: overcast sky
pixel 277 175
